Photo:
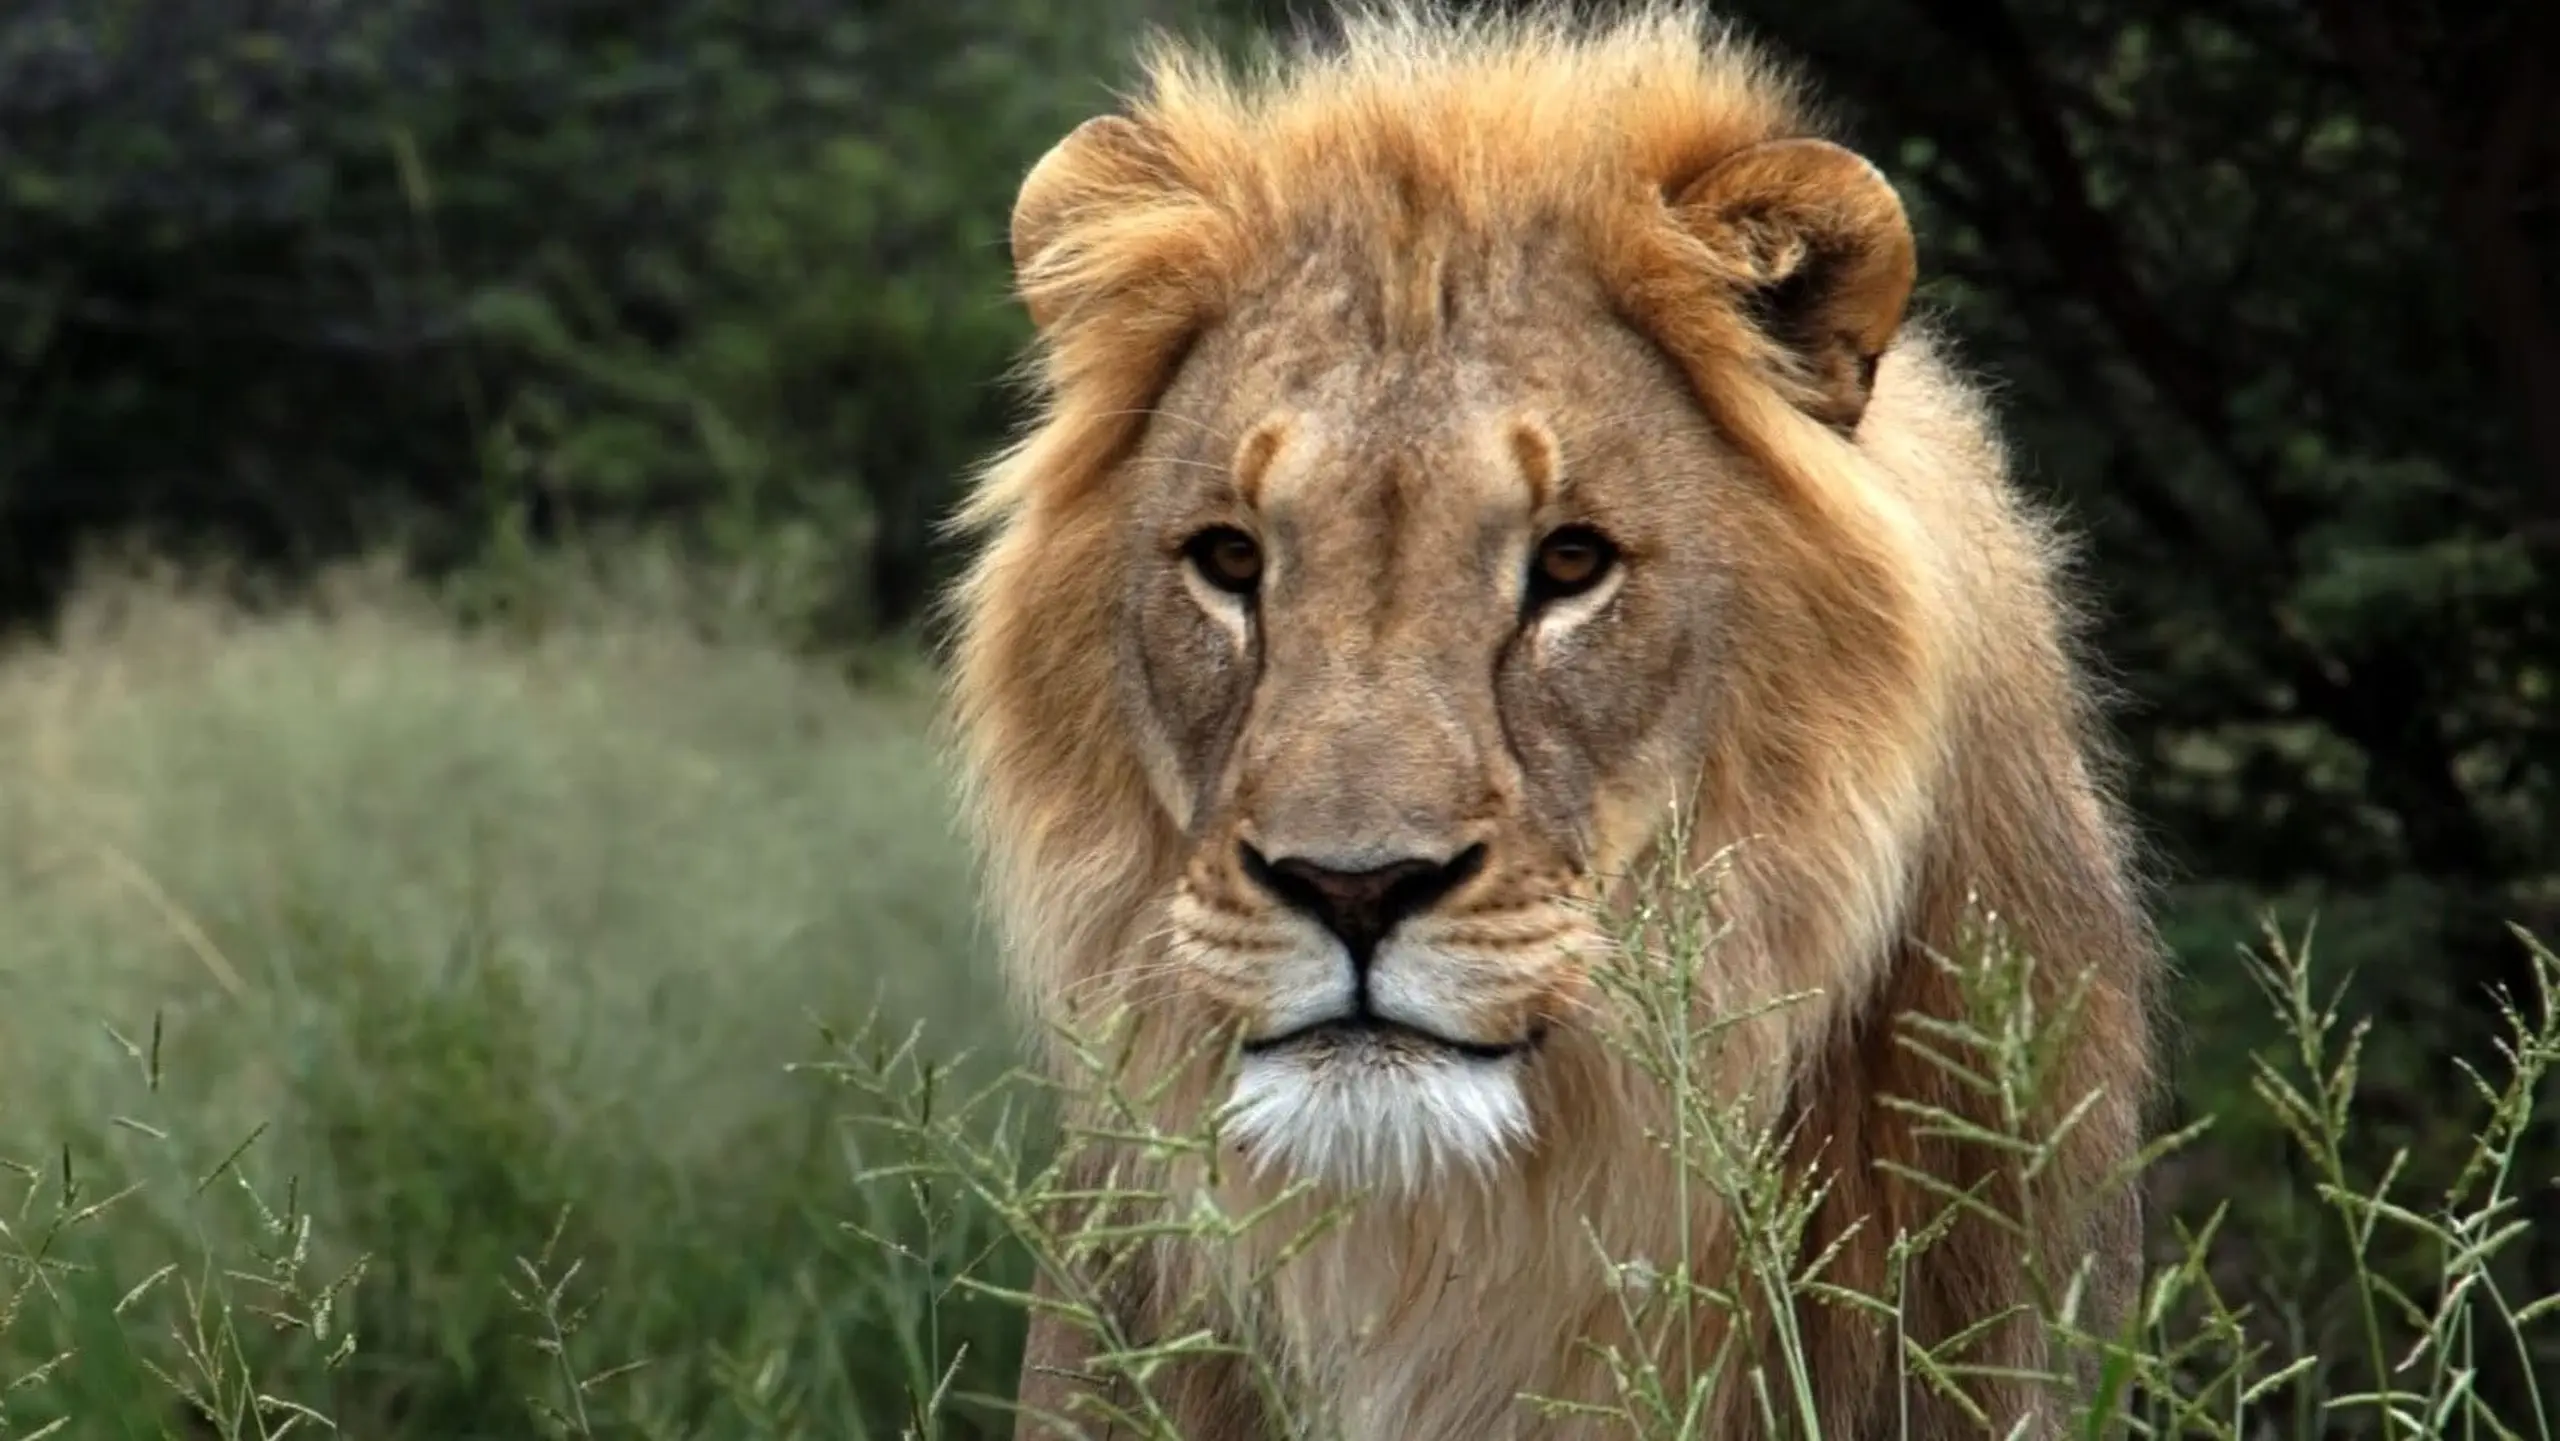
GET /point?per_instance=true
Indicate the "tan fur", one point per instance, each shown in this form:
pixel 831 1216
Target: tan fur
pixel 1395 306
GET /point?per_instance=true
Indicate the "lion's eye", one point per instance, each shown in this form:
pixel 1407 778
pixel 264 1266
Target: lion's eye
pixel 1570 561
pixel 1226 558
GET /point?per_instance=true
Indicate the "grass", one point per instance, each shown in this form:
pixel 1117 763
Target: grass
pixel 582 1028
pixel 457 943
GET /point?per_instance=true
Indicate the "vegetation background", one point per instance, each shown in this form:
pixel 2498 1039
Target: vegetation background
pixel 467 484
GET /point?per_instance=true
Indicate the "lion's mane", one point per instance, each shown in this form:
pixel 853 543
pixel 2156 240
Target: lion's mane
pixel 1919 736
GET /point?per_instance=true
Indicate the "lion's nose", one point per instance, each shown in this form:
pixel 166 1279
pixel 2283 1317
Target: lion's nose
pixel 1362 906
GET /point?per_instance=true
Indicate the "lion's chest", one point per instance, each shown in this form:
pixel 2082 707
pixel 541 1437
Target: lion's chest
pixel 1414 1334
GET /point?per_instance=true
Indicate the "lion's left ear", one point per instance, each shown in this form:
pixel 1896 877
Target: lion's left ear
pixel 1104 161
pixel 1822 245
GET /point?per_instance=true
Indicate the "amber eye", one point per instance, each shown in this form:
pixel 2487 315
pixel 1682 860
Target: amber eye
pixel 1570 561
pixel 1227 558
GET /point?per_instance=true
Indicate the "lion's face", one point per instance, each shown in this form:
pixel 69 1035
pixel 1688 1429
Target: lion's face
pixel 1414 639
pixel 1411 570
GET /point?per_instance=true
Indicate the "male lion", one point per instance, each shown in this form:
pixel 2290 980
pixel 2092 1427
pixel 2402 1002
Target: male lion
pixel 1466 449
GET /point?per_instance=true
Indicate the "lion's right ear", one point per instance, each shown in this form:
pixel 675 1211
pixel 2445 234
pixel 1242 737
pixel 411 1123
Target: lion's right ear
pixel 1103 159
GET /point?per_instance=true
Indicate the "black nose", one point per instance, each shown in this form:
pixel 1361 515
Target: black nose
pixel 1360 907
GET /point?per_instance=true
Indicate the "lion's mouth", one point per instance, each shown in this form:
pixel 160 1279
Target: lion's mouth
pixel 1366 1029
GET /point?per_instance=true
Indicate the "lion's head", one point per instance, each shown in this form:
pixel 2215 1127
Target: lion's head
pixel 1457 459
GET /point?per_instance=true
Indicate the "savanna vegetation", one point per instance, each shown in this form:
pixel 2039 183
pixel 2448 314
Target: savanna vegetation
pixel 483 951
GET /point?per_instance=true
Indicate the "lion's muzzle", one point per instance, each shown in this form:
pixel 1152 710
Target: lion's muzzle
pixel 1362 909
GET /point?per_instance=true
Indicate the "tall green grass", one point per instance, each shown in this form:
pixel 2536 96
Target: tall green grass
pixel 340 931
pixel 579 1026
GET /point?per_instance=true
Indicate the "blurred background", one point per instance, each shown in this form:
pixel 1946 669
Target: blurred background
pixel 468 484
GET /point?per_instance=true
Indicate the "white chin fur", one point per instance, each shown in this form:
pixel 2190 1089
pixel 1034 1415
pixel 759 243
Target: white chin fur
pixel 1395 1123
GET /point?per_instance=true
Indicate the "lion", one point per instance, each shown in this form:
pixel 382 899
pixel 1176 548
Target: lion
pixel 1469 455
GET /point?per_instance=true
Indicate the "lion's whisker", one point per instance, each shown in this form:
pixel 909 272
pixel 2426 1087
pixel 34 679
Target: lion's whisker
pixel 1157 412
